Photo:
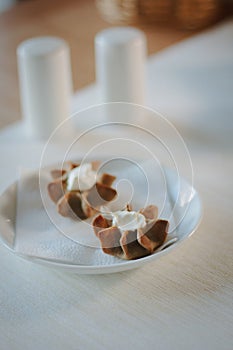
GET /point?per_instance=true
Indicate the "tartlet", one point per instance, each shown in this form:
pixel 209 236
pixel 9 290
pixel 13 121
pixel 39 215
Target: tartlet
pixel 131 244
pixel 77 203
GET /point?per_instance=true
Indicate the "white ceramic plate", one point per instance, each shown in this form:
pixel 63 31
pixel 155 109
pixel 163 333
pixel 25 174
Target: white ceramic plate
pixel 187 213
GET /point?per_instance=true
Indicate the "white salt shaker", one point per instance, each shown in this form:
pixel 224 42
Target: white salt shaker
pixel 45 84
pixel 120 54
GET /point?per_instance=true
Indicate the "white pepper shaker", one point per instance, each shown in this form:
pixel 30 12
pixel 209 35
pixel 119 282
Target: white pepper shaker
pixel 45 84
pixel 120 54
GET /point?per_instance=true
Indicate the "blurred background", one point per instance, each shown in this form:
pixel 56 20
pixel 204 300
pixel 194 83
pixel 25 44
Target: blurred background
pixel 164 22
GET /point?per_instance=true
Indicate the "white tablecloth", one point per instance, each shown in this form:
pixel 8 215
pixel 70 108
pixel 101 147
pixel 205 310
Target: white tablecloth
pixel 184 300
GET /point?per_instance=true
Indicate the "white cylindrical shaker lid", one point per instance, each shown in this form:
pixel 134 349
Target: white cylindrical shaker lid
pixel 120 64
pixel 45 84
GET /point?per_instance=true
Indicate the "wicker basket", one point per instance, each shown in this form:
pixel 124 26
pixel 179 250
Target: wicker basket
pixel 190 14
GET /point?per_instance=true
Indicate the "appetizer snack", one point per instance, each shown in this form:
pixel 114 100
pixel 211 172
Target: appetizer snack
pixel 78 191
pixel 131 235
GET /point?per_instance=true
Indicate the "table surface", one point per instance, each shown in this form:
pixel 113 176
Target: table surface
pixel 183 300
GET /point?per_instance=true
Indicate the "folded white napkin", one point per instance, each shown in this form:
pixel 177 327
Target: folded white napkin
pixel 37 236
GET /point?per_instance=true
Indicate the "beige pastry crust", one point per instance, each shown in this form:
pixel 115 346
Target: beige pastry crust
pixel 132 244
pixel 76 204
